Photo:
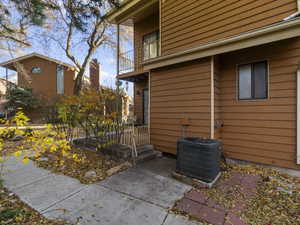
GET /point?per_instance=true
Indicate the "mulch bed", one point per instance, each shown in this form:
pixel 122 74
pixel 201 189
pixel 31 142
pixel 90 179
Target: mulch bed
pixel 9 147
pixel 99 165
pixel 14 211
pixel 245 195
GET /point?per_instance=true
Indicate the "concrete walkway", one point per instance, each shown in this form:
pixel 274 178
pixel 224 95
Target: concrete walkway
pixel 136 196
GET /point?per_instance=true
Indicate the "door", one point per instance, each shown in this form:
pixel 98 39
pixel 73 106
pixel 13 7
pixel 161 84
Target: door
pixel 145 105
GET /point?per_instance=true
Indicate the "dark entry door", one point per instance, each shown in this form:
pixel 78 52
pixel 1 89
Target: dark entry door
pixel 145 105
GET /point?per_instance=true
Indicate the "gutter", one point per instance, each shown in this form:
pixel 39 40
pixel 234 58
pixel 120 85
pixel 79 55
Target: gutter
pixel 275 32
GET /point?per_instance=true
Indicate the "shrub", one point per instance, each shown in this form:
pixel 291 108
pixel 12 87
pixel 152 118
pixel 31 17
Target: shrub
pixel 95 113
pixel 21 97
pixel 42 141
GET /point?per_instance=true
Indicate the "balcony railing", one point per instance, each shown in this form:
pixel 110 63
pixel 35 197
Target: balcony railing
pixel 126 62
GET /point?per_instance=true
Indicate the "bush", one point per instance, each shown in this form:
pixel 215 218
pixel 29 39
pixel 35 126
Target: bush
pixel 95 113
pixel 41 142
pixel 21 97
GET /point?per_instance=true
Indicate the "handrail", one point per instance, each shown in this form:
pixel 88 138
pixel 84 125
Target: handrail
pixel 126 62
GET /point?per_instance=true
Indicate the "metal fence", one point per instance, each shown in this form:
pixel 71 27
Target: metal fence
pixel 131 135
pixel 126 62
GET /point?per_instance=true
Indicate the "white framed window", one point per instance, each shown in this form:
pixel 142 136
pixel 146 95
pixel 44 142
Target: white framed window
pixel 151 45
pixel 36 70
pixel 253 81
pixel 60 79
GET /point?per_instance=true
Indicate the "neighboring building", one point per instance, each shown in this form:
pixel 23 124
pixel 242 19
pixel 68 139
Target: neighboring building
pixel 217 69
pixel 4 85
pixel 47 77
pixel 50 78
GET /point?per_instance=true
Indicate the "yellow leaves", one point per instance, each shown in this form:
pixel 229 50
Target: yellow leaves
pixel 25 160
pixel 53 148
pixel 17 153
pixel 20 119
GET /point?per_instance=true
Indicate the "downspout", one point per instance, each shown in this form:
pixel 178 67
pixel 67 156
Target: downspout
pixel 212 98
pixel 298 115
pixel 149 107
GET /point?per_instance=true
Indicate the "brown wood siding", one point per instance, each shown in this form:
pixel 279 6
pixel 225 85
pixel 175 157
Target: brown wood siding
pixel 179 94
pixel 138 100
pixel 44 84
pixel 217 112
pixel 262 130
pixel 141 28
pixel 185 24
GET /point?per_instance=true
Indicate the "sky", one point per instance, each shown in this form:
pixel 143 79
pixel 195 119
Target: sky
pixel 105 55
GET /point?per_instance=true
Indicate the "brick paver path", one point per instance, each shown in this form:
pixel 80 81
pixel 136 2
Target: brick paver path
pixel 198 205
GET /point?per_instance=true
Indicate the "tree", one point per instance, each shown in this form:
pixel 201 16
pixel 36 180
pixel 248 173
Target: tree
pixel 16 16
pixel 80 23
pixel 18 97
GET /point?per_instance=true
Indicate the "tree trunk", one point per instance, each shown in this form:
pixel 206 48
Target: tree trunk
pixel 78 82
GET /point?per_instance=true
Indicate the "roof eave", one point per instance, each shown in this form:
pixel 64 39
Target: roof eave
pixel 9 64
pixel 127 10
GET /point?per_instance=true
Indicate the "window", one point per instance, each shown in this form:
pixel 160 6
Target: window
pixel 36 70
pixel 151 45
pixel 253 81
pixel 60 79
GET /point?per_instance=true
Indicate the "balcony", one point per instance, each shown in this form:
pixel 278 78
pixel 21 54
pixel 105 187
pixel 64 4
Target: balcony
pixel 137 36
pixel 131 61
pixel 126 62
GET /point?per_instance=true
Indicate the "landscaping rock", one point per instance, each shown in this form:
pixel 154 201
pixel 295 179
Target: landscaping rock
pixel 118 168
pixel 17 138
pixel 120 151
pixel 90 174
pixel 43 159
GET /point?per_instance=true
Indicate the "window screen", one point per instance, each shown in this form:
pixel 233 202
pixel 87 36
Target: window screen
pixel 253 82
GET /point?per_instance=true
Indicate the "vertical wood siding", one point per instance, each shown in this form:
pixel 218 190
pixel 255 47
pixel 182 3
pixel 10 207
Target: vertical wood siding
pixel 141 28
pixel 188 23
pixel 262 130
pixel 179 94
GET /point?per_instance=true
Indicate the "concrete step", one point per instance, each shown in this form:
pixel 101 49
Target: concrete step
pixel 144 149
pixel 146 156
pixel 146 153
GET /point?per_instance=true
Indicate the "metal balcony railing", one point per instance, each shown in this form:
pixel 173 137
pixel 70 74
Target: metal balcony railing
pixel 126 62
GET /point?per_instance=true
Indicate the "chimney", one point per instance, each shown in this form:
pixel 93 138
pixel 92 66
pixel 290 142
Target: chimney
pixel 94 74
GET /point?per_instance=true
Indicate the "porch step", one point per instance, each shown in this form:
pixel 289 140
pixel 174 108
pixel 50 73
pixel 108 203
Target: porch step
pixel 146 152
pixel 144 148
